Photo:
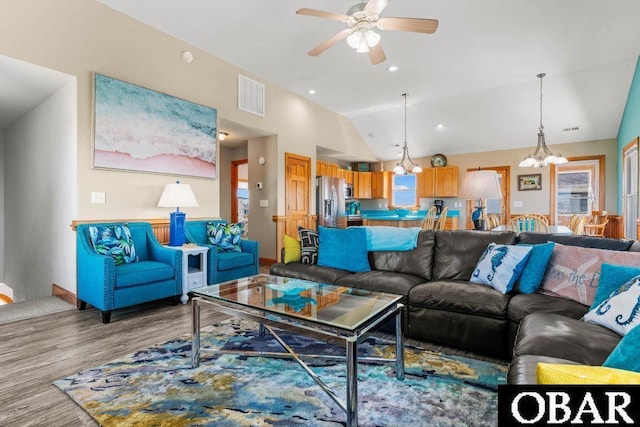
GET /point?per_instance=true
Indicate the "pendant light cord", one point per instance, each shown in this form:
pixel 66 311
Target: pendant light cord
pixel 540 76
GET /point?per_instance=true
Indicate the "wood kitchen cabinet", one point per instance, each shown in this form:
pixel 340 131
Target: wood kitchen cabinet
pixel 438 182
pixel 332 169
pixel 380 183
pixel 321 168
pixel 364 185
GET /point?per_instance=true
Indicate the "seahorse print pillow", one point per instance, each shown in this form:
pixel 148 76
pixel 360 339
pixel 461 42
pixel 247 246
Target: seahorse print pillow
pixel 621 311
pixel 574 272
pixel 500 266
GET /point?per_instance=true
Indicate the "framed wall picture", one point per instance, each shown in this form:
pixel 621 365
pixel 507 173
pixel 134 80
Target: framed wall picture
pixel 139 129
pixel 530 182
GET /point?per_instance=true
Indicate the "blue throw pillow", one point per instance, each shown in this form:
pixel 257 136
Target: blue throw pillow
pixel 612 276
pixel 114 241
pixel 620 312
pixel 533 272
pixel 500 266
pixel 343 248
pixel 226 237
pixel 625 355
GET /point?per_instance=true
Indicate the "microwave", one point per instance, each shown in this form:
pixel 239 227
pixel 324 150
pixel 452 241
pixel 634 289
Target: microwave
pixel 348 191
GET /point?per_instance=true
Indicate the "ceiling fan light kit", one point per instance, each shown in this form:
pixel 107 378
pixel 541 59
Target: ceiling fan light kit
pixel 542 156
pixel 363 19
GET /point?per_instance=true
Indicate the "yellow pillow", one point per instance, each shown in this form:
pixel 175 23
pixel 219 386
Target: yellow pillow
pixel 292 251
pixel 551 373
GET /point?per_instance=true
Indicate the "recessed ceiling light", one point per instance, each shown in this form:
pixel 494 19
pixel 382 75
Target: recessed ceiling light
pixel 392 68
pixel 440 126
pixel 312 91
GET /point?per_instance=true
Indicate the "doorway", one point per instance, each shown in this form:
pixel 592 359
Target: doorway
pixel 495 207
pixel 240 193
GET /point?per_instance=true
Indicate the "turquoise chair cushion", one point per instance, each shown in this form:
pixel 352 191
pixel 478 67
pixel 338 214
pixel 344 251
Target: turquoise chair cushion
pixel 231 260
pixel 139 273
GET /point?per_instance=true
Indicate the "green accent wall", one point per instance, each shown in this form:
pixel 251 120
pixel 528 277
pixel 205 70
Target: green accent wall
pixel 629 126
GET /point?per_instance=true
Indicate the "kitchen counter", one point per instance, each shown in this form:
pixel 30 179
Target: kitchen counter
pixel 389 218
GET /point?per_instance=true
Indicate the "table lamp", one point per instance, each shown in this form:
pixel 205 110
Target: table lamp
pixel 480 185
pixel 177 195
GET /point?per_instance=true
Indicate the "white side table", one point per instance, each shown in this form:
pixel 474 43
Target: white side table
pixel 192 277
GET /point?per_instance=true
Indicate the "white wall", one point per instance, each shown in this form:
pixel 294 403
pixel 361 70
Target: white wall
pixel 41 197
pixel 2 168
pixel 261 225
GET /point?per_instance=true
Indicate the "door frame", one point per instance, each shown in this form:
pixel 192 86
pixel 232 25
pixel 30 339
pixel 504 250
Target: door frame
pixel 234 187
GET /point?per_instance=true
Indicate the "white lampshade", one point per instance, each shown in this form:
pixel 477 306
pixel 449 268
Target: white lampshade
pixel 177 195
pixel 481 184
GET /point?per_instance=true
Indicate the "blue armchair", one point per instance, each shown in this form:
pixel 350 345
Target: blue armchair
pixel 155 273
pixel 223 266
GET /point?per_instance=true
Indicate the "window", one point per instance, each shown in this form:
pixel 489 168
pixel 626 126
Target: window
pixel 630 189
pixel 404 190
pixel 576 188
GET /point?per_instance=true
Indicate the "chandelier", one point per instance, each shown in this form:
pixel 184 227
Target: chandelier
pixel 400 168
pixel 542 156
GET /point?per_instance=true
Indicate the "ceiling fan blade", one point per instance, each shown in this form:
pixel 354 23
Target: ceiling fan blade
pixel 414 25
pixel 374 7
pixel 322 14
pixel 328 43
pixel 376 54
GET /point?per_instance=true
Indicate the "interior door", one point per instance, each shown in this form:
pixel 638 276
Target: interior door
pixel 498 207
pixel 297 192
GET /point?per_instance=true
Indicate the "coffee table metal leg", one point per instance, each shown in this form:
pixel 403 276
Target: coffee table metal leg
pixel 352 383
pixel 399 344
pixel 195 333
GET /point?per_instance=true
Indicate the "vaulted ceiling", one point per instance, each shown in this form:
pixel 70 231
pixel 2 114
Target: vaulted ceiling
pixel 476 75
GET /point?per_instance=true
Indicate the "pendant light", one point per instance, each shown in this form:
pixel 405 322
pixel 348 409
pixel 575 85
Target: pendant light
pixel 542 156
pixel 400 168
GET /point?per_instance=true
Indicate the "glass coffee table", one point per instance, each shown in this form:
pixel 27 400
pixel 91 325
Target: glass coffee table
pixel 316 309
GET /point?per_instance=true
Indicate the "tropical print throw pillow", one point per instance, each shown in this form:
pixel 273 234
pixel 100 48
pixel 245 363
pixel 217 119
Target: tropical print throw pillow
pixel 225 237
pixel 114 241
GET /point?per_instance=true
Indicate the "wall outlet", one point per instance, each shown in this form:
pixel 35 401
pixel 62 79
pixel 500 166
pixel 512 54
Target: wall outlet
pixel 517 204
pixel 98 197
pixel 264 203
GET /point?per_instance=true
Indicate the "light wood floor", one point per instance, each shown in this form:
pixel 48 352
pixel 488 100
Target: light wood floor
pixel 35 352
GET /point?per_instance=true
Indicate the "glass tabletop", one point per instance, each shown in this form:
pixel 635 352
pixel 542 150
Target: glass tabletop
pixel 330 305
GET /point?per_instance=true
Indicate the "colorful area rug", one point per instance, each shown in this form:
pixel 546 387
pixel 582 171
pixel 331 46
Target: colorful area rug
pixel 157 387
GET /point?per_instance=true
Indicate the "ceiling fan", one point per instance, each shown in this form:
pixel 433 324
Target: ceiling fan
pixel 363 19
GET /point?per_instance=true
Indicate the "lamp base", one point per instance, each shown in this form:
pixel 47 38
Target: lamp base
pixel 479 219
pixel 176 228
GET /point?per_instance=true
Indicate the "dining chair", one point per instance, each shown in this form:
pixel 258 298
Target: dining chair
pixel 529 222
pixel 442 219
pixel 576 224
pixel 596 224
pixel 430 219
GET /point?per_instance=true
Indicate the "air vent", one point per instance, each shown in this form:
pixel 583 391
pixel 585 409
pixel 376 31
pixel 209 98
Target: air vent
pixel 571 129
pixel 250 96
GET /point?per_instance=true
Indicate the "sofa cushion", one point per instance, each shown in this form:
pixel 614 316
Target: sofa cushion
pixel 381 281
pixel 619 312
pixel 312 272
pixel 522 369
pixel 232 260
pixel 460 297
pixel 522 305
pixel 343 248
pixel 140 273
pixel 557 373
pixel 574 271
pixel 537 263
pixel 114 241
pixel 309 245
pixel 457 252
pixel 418 261
pixel 625 355
pixel 500 266
pixel 558 336
pixel 225 237
pixel 581 241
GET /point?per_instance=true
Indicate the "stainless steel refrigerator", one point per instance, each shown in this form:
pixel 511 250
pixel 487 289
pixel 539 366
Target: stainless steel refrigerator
pixel 330 201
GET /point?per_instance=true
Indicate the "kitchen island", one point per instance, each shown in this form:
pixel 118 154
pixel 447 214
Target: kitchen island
pixel 391 219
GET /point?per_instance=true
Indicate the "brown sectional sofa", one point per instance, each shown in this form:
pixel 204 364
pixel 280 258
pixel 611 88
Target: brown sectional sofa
pixel 443 307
